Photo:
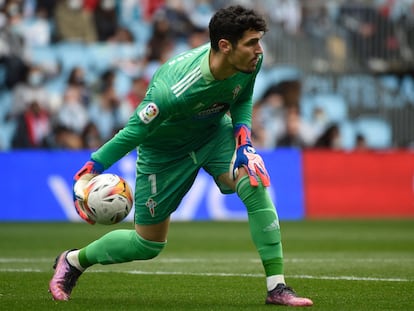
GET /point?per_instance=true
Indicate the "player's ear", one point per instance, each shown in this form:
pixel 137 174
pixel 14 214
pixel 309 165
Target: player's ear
pixel 224 46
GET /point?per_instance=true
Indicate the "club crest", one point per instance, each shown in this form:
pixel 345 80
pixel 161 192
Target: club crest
pixel 151 204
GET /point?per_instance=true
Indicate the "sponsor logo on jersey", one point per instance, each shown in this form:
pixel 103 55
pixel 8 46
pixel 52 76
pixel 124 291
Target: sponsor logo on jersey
pixel 149 113
pixel 212 111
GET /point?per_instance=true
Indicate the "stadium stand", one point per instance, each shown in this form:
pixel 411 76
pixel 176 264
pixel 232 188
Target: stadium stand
pixel 346 80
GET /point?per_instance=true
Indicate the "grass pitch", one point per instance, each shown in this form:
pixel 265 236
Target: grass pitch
pixel 341 265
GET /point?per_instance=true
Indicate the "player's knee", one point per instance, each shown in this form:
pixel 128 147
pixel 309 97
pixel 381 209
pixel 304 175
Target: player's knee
pixel 153 252
pixel 226 184
pixel 148 249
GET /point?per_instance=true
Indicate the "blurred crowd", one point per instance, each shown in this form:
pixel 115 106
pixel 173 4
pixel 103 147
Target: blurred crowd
pixel 60 101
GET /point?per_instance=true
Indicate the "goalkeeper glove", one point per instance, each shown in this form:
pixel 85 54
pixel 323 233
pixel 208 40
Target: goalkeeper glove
pixel 246 156
pixel 80 180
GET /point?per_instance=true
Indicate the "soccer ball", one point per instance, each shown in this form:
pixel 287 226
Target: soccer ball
pixel 108 199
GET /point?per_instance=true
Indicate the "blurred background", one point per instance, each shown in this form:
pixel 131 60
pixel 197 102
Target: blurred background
pixel 333 104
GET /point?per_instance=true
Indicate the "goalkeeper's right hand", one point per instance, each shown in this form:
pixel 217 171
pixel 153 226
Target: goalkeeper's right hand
pixel 80 180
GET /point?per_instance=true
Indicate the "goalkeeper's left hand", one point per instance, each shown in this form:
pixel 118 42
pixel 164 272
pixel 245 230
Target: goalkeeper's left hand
pixel 247 157
pixel 80 180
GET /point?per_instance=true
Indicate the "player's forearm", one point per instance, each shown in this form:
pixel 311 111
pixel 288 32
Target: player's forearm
pixel 109 153
pixel 121 144
pixel 126 140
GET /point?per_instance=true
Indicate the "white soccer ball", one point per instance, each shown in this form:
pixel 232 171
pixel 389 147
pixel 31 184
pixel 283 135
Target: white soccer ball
pixel 108 199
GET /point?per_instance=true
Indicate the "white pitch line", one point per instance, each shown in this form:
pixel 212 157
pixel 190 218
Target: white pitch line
pixel 345 278
pixel 234 260
pixel 350 278
pixel 21 270
pixel 25 260
pixel 217 274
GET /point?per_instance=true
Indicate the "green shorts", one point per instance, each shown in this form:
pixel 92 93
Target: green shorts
pixel 157 195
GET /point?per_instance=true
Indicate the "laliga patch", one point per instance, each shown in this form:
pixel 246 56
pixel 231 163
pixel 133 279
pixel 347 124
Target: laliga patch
pixel 149 113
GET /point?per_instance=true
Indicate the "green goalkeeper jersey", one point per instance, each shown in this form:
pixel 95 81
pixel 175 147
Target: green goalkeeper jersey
pixel 183 108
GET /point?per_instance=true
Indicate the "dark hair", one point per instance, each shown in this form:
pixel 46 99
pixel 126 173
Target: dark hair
pixel 230 23
pixel 325 140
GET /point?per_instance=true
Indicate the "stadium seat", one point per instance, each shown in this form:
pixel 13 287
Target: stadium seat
pixel 390 87
pixel 122 83
pixel 306 107
pixel 45 57
pixel 101 56
pixel 348 134
pixel 407 89
pixel 57 85
pixel 2 75
pixel 376 130
pixel 141 31
pixel 72 54
pixel 389 82
pixel 273 76
pixel 333 105
pixel 6 102
pixel 7 130
pixel 130 51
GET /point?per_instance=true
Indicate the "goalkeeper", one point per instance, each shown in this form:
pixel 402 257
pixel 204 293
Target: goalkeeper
pixel 196 114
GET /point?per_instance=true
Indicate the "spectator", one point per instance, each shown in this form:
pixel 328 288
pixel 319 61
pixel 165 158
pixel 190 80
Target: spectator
pixel 130 11
pixel 150 7
pixel 160 47
pixel 12 47
pixel 327 44
pixel 77 81
pixel 31 89
pixel 288 15
pixel 106 79
pixel 37 31
pixel 371 35
pixel 318 123
pixel 64 138
pixel 137 92
pixel 258 130
pixel 33 127
pixel 271 113
pixel 122 35
pixel 198 36
pixel 106 20
pixel 293 136
pixel 49 7
pixel 91 139
pixel 90 5
pixel 130 58
pixel 176 18
pixel 76 77
pixel 73 115
pixel 330 138
pixel 108 112
pixel 74 23
pixel 360 143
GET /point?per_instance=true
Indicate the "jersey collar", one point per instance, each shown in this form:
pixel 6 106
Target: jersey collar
pixel 205 67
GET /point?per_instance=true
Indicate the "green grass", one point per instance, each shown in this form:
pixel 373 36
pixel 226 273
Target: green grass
pixel 341 265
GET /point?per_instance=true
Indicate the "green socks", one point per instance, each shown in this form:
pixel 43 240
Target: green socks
pixel 126 245
pixel 264 225
pixel 119 246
